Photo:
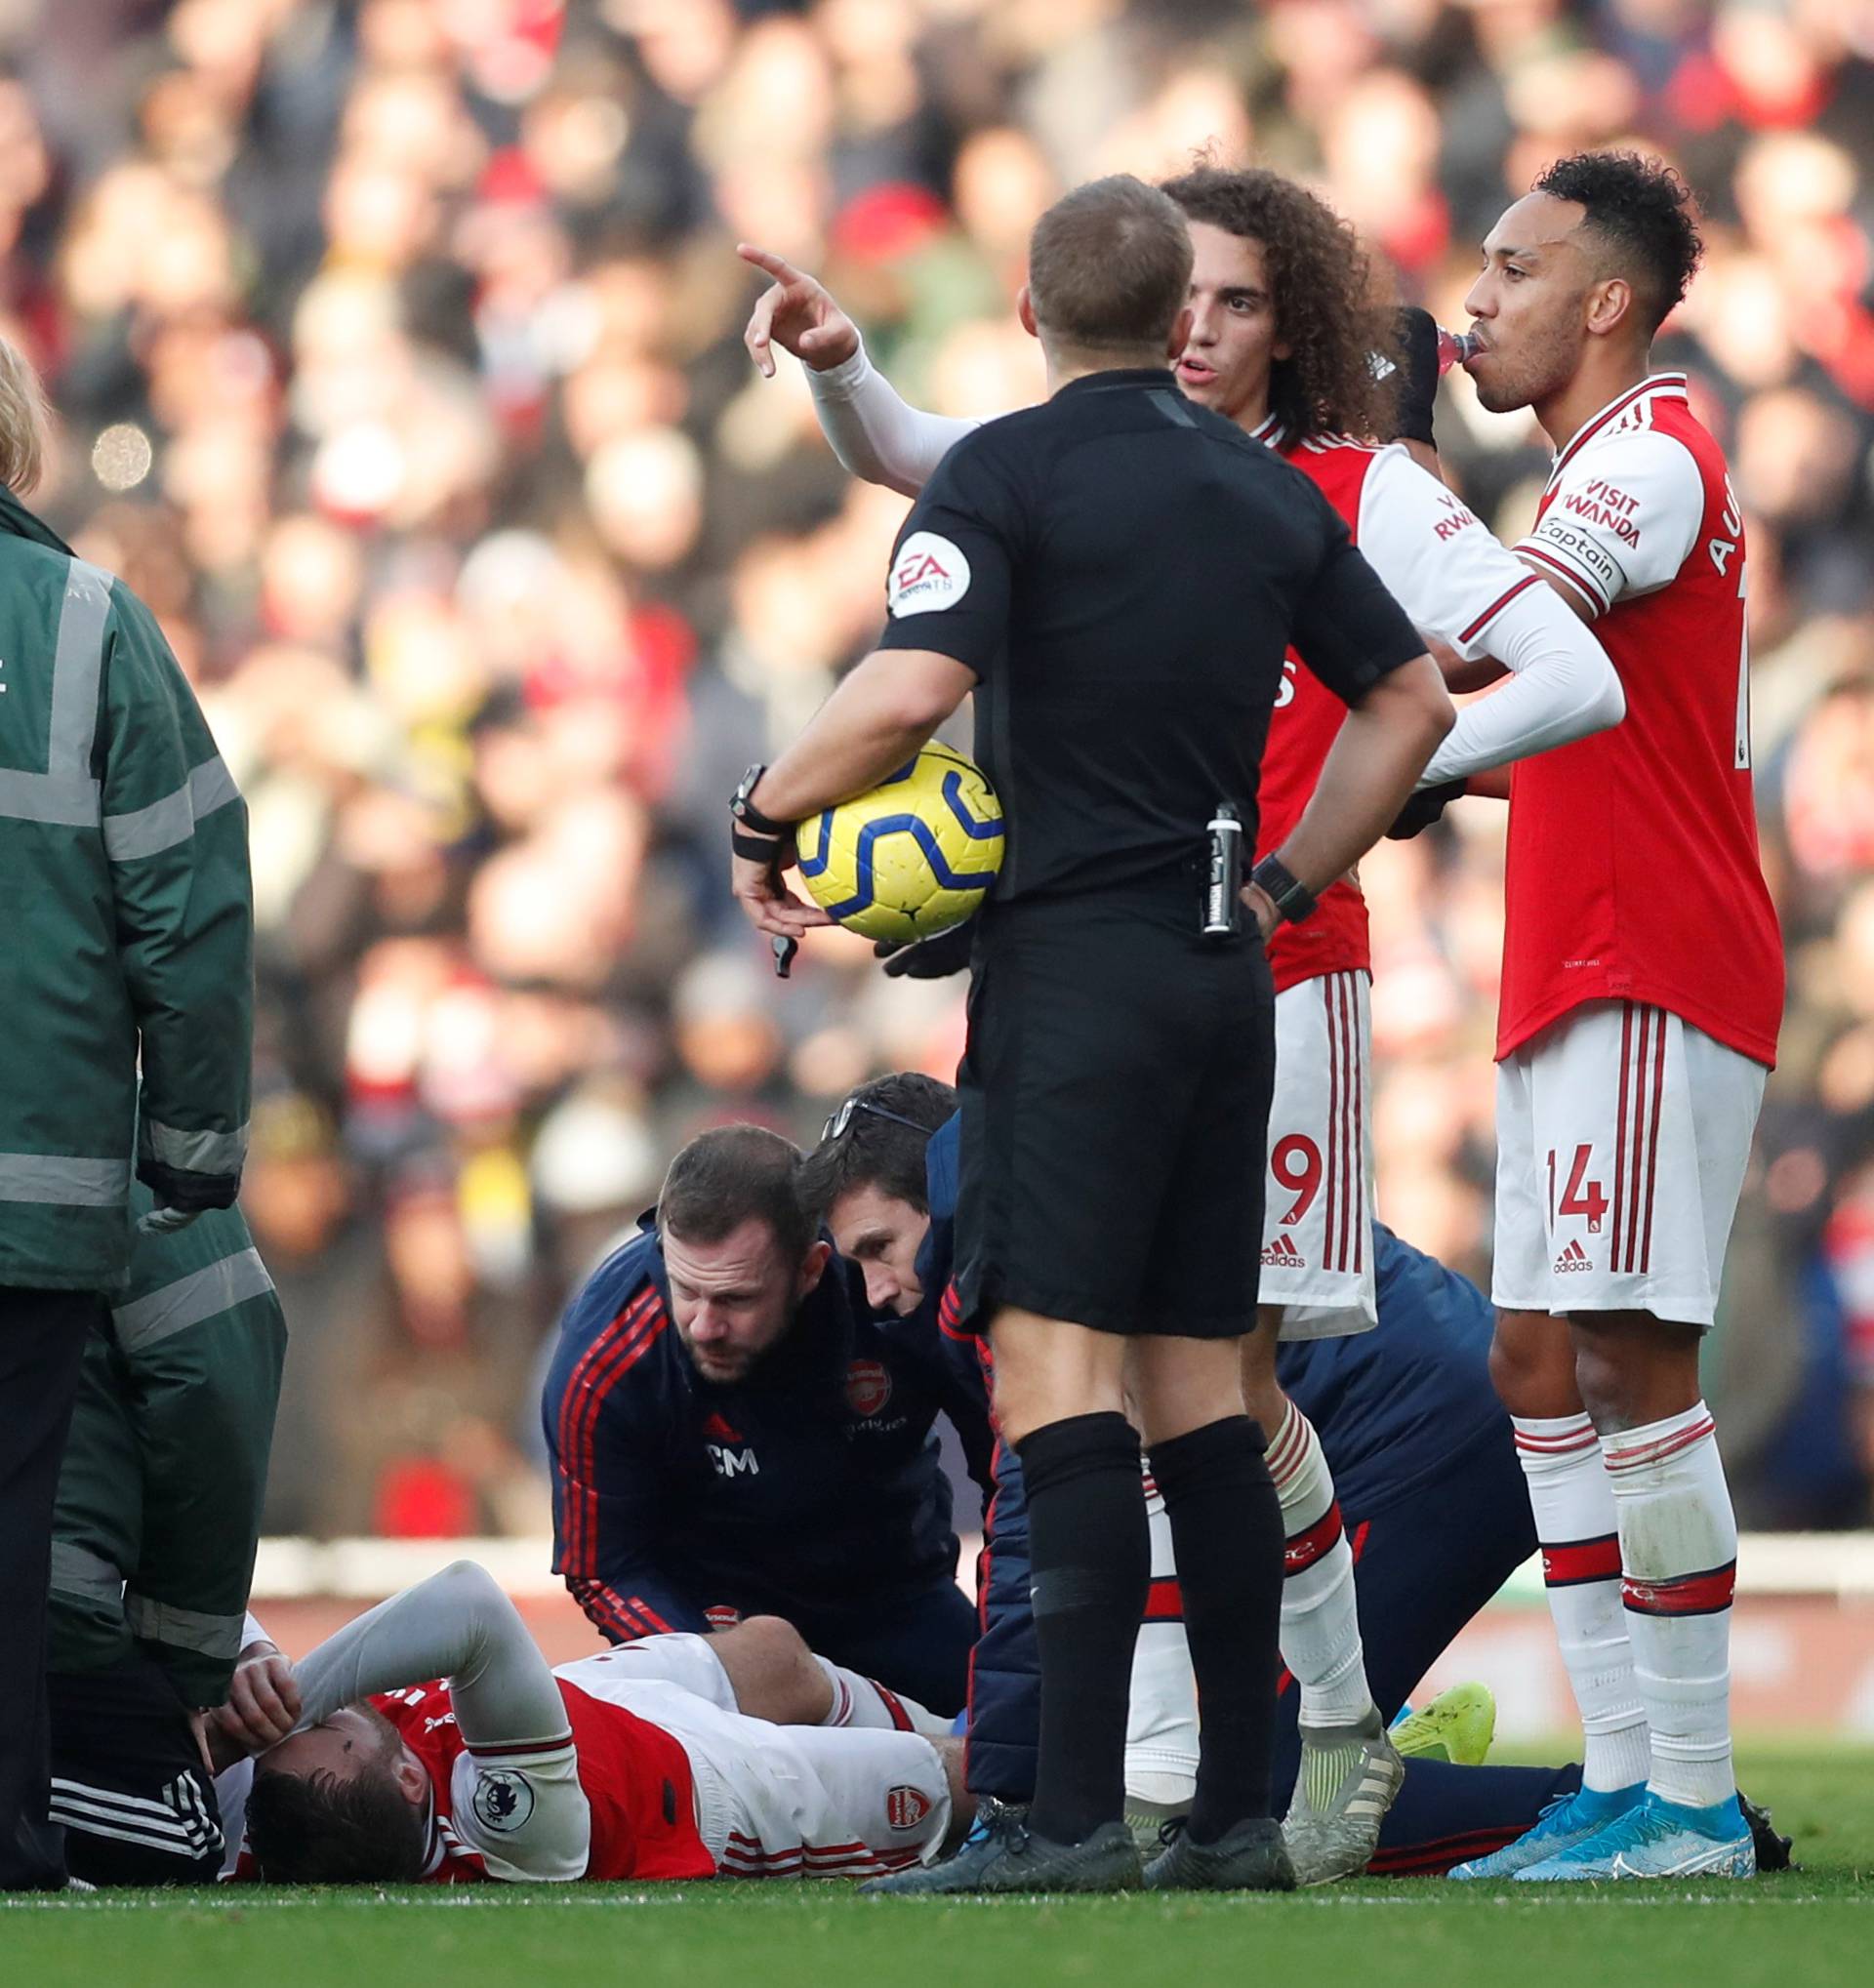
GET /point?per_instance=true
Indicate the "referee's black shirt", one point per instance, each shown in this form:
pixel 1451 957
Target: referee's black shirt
pixel 1124 570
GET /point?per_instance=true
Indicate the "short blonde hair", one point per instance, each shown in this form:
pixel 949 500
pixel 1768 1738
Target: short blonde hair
pixel 24 419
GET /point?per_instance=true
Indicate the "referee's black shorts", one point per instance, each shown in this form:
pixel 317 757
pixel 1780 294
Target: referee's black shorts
pixel 1115 1094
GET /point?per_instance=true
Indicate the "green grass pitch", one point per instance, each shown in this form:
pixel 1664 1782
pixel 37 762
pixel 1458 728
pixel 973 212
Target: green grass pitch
pixel 1806 1929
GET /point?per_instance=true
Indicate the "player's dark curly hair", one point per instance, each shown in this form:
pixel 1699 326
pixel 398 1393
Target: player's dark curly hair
pixel 315 1829
pixel 1326 308
pixel 1645 215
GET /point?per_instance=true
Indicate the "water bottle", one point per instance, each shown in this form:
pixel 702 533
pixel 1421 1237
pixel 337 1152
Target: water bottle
pixel 1455 347
pixel 1223 877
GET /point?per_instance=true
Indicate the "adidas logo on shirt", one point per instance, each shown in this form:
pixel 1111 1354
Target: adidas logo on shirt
pixel 1574 1257
pixel 1282 1254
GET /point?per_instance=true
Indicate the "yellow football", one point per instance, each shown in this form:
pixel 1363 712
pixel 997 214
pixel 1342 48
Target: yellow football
pixel 912 857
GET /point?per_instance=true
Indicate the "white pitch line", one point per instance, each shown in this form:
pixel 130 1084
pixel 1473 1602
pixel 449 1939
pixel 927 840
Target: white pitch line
pixel 462 1900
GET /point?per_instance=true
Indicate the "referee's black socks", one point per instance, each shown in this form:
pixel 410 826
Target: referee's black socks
pixel 1092 1561
pixel 1226 1531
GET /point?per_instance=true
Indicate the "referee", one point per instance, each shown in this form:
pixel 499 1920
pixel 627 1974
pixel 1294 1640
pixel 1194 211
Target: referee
pixel 1117 573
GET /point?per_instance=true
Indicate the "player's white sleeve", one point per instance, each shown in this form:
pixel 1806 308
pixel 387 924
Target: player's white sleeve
pixel 876 435
pixel 253 1631
pixel 1458 583
pixel 1562 687
pixel 517 1798
pixel 1624 515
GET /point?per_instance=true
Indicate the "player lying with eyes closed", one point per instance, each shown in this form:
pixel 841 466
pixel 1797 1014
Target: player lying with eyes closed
pixel 430 1742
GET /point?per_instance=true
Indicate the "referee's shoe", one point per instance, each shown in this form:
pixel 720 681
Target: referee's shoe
pixel 1252 1857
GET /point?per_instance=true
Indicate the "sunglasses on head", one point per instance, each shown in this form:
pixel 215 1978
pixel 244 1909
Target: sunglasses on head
pixel 843 1117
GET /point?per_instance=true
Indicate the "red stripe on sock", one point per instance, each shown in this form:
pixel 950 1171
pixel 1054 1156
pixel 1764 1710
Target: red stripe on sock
pixel 1304 1548
pixel 1645 1453
pixel 1164 1600
pixel 893 1705
pixel 1576 1439
pixel 1705 1594
pixel 1568 1562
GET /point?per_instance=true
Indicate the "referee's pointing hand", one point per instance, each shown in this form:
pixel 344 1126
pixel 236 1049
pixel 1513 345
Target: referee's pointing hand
pixel 797 313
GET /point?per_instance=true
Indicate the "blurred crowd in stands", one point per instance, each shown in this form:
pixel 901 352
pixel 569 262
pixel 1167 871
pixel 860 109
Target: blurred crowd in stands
pixel 396 345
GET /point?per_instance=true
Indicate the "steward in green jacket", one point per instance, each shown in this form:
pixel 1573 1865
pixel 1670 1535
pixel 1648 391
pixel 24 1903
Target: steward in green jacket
pixel 154 1541
pixel 126 923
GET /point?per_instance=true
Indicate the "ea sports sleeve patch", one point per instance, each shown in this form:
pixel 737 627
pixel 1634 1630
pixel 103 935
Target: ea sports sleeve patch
pixel 930 573
pixel 951 579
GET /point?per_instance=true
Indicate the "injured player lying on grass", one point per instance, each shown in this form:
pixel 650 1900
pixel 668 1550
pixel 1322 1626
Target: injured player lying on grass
pixel 433 1743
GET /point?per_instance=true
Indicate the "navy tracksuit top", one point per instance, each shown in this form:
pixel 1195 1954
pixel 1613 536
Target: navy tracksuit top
pixel 810 1489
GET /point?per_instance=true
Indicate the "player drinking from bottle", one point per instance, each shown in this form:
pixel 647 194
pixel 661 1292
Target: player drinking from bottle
pixel 1642 984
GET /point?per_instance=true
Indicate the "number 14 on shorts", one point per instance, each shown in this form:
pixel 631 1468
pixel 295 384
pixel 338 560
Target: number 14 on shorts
pixel 1579 1196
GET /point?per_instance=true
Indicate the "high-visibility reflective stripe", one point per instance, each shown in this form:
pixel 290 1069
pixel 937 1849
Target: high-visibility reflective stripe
pixel 77 662
pixel 202 1294
pixel 77 1571
pixel 209 1635
pixel 211 786
pixel 192 1152
pixel 147 831
pixel 65 796
pixel 62 799
pixel 63 1182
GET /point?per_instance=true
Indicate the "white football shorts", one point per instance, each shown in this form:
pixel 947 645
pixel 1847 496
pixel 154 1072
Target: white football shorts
pixel 1623 1133
pixel 785 1800
pixel 1318 1215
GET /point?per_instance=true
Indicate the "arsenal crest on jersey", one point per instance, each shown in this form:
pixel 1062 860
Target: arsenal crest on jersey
pixel 905 1807
pixel 868 1387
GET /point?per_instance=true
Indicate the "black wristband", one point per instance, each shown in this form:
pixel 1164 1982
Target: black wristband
pixel 742 806
pixel 754 848
pixel 1422 809
pixel 1284 889
pixel 1418 375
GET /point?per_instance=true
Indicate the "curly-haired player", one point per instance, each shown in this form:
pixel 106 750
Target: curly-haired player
pixel 1643 986
pixel 1327 317
pixel 1283 337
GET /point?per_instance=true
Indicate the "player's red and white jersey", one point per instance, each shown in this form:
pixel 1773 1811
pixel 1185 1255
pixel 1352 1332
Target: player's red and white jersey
pixel 1451 578
pixel 1632 869
pixel 635 1778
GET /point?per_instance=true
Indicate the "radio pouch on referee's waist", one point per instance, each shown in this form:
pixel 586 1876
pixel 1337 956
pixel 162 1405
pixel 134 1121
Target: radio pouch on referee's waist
pixel 1221 913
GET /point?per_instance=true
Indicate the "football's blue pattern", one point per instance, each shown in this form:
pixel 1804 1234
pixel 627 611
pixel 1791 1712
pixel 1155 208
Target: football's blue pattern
pixel 919 830
pixel 977 831
pixel 913 856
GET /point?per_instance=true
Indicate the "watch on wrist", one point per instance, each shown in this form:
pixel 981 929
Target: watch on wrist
pixel 1284 889
pixel 745 811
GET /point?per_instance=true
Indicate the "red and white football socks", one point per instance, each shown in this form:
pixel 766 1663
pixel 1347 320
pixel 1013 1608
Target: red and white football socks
pixel 1679 1548
pixel 1574 1525
pixel 1162 1712
pixel 1320 1619
pixel 864 1702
